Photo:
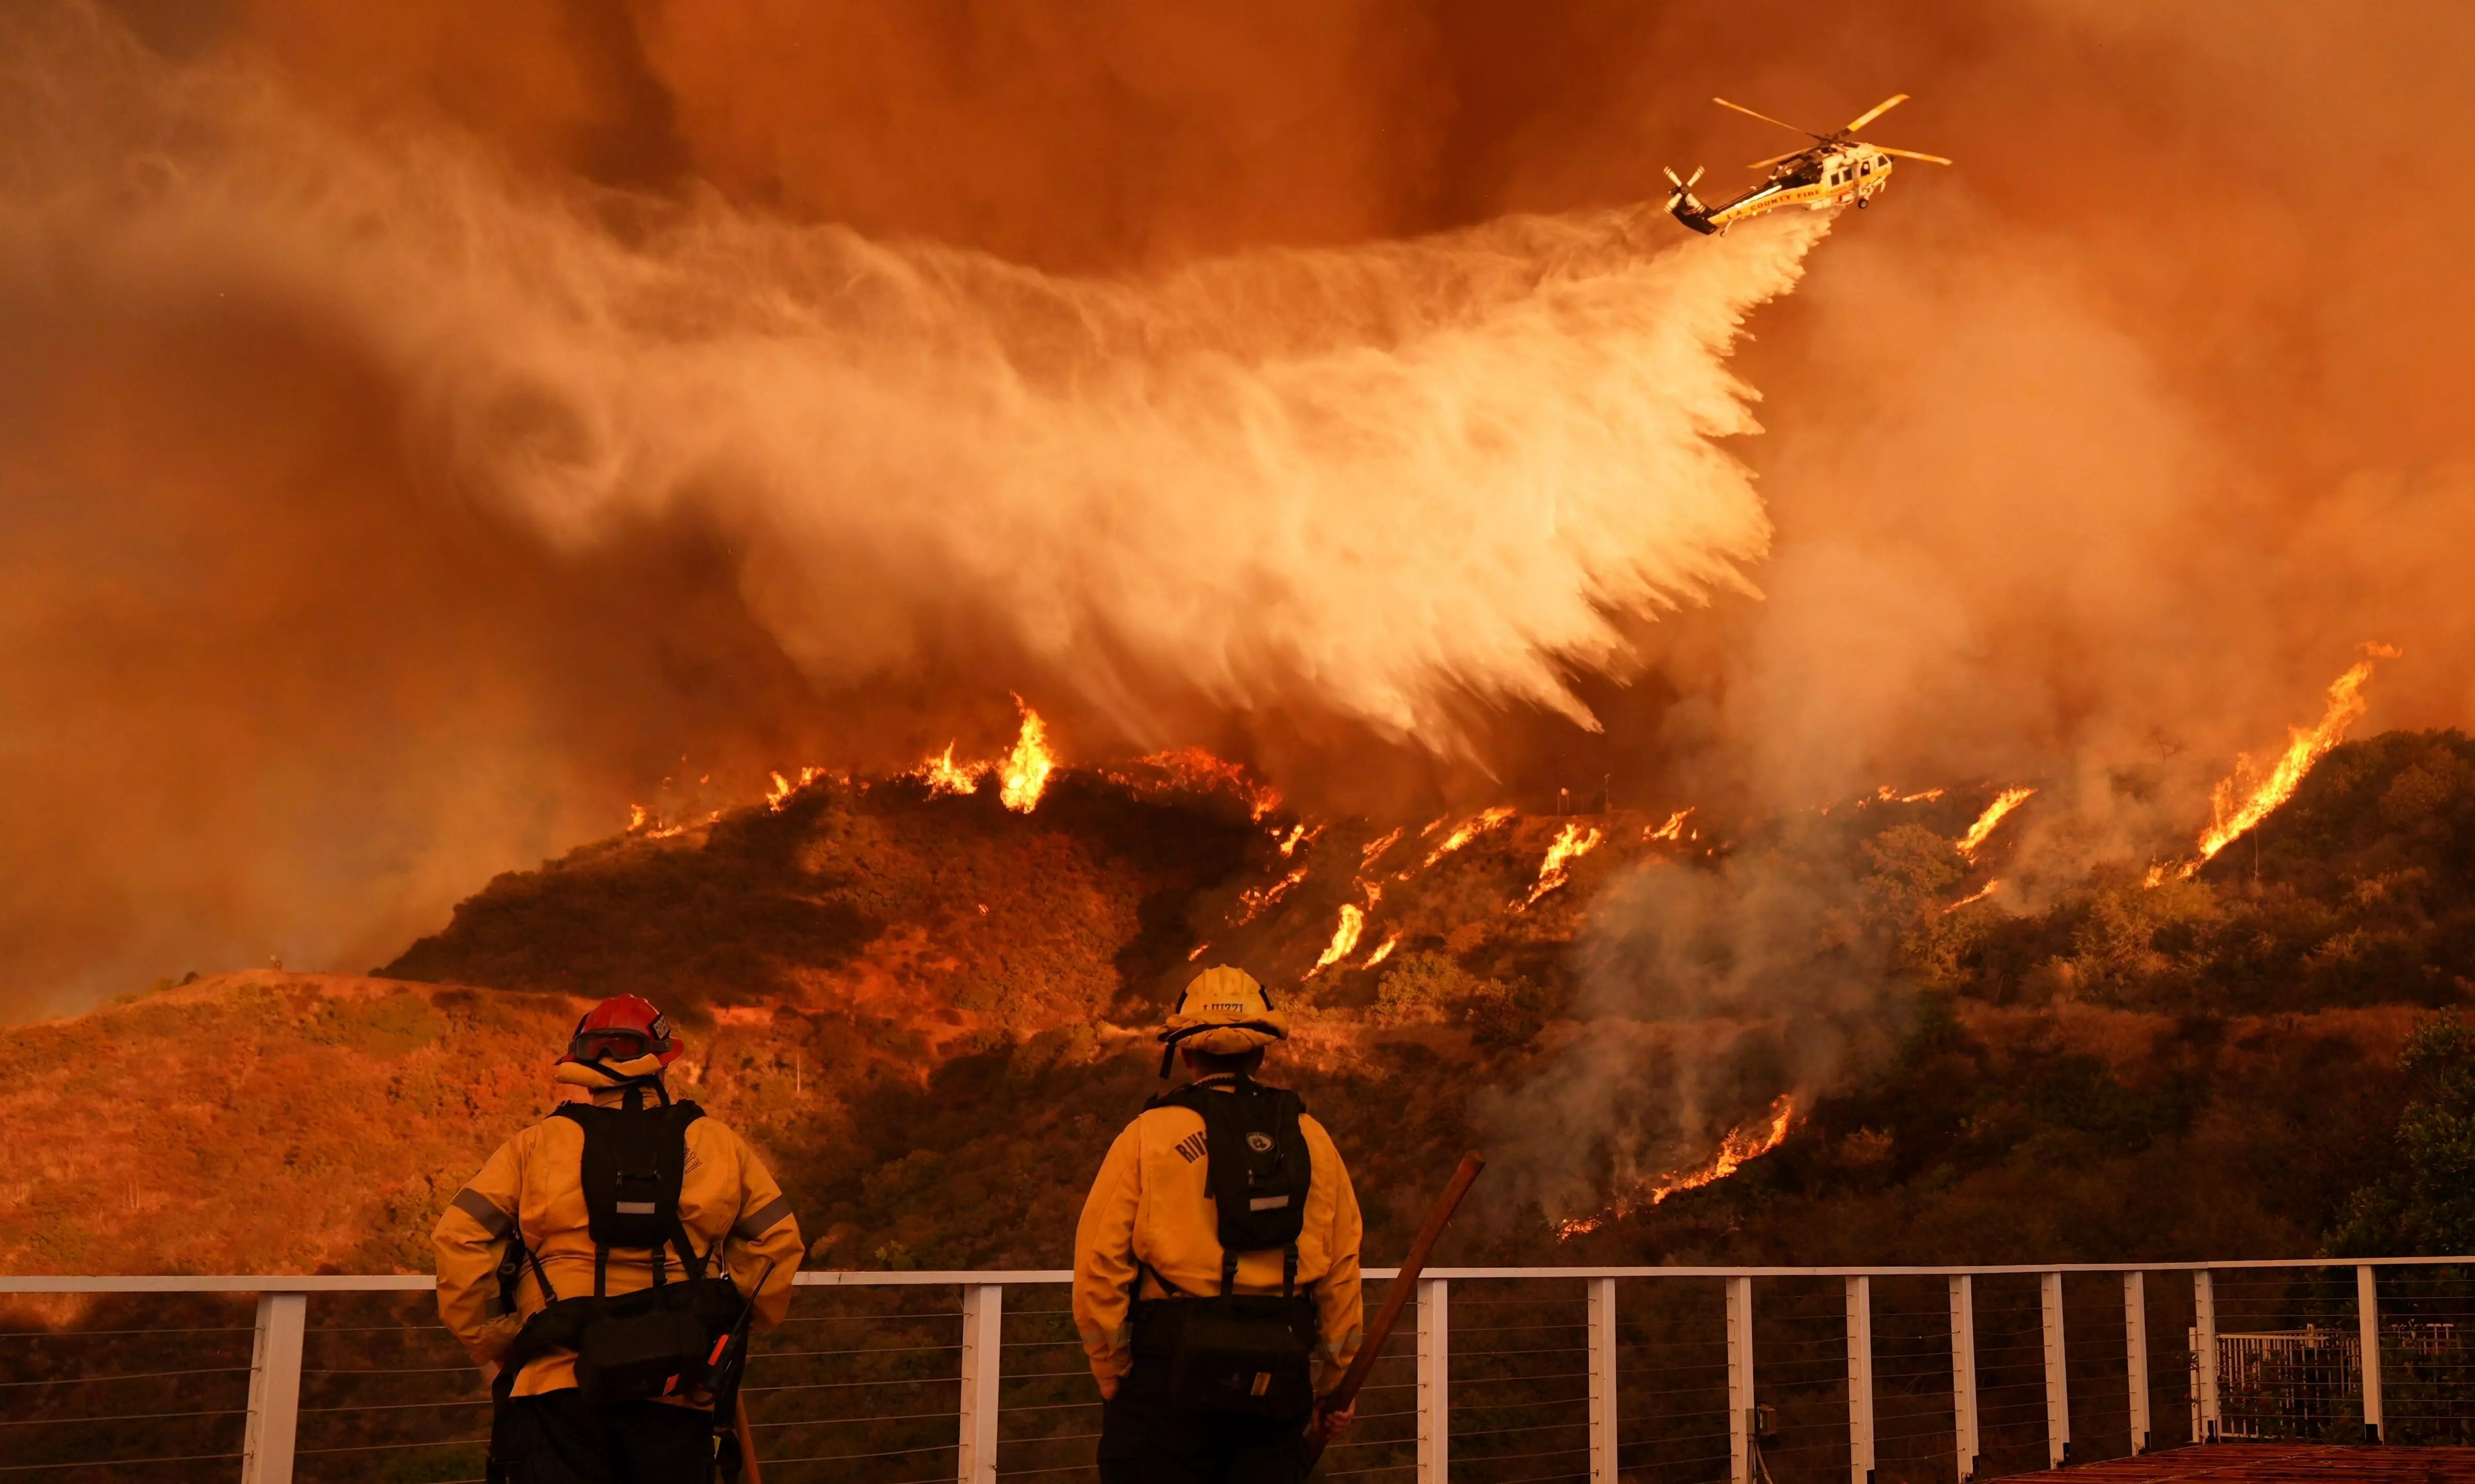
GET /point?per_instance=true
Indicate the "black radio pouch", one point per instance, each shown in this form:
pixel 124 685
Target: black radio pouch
pixel 1246 1353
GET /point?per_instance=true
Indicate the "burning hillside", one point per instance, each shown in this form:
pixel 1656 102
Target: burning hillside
pixel 932 1011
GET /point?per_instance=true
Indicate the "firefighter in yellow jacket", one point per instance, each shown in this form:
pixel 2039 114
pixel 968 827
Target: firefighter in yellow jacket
pixel 1216 1267
pixel 607 1364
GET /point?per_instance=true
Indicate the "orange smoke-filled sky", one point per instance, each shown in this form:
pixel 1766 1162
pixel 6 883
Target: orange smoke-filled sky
pixel 425 427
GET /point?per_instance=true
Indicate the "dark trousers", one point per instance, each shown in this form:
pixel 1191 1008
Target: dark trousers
pixel 1145 1440
pixel 557 1438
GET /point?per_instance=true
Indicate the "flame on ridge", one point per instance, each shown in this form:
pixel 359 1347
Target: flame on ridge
pixel 1344 937
pixel 1256 898
pixel 1383 950
pixel 783 788
pixel 1570 844
pixel 2236 811
pixel 1740 1145
pixel 1977 895
pixel 1376 848
pixel 1194 768
pixel 1886 794
pixel 1673 829
pixel 1982 830
pixel 1466 831
pixel 944 775
pixel 1023 776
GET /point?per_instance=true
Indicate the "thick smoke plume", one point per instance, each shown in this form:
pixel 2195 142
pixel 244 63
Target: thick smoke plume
pixel 1384 483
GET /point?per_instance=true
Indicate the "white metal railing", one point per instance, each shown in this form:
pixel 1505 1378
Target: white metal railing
pixel 2223 1369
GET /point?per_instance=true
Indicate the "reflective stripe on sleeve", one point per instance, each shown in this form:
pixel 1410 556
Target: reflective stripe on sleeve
pixel 756 1223
pixel 494 1221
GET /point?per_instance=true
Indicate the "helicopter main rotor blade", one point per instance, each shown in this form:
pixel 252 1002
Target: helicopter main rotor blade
pixel 1767 119
pixel 1765 165
pixel 1874 112
pixel 1931 160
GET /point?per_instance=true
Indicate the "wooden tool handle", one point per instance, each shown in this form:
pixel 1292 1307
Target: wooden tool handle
pixel 748 1471
pixel 1371 1348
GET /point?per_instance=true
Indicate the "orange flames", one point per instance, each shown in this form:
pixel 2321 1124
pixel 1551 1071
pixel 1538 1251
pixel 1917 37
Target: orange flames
pixel 783 788
pixel 1383 950
pixel 1023 776
pixel 1886 794
pixel 1345 938
pixel 944 775
pixel 1982 830
pixel 1673 829
pixel 1977 895
pixel 1570 844
pixel 639 818
pixel 1192 768
pixel 1256 898
pixel 1466 831
pixel 1376 848
pixel 1739 1147
pixel 2243 801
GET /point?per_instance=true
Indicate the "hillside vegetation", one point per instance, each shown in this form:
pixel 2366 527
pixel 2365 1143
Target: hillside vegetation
pixel 932 1014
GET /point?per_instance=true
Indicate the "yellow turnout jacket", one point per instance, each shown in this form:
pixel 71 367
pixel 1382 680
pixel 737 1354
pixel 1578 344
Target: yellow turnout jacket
pixel 534 1184
pixel 1152 1204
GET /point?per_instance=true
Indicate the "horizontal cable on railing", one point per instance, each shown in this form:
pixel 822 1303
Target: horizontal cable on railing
pixel 847 1421
pixel 114 1462
pixel 87 1334
pixel 1499 1432
pixel 839 1458
pixel 106 1416
pixel 401 1406
pixel 130 1375
pixel 872 1349
pixel 873 1319
pixel 899 1381
pixel 379 1448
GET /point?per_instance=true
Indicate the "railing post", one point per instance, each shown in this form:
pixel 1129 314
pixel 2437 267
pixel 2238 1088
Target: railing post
pixel 274 1389
pixel 2367 1321
pixel 2204 1358
pixel 2135 1354
pixel 1963 1372
pixel 1602 1380
pixel 1860 1380
pixel 1434 1381
pixel 975 1462
pixel 1740 1379
pixel 2058 1396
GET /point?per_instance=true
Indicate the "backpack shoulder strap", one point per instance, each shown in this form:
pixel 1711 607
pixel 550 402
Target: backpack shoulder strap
pixel 681 1114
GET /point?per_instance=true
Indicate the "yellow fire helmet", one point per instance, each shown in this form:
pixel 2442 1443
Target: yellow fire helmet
pixel 1222 1010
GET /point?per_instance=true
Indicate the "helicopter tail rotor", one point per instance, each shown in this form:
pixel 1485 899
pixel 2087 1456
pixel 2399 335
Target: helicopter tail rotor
pixel 1683 193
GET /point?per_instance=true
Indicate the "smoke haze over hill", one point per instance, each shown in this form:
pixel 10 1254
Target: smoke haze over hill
pixel 424 429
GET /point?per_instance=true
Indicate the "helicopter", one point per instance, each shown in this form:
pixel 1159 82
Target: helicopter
pixel 1839 169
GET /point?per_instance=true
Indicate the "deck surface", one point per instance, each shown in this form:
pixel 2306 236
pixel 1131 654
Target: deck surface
pixel 2243 1463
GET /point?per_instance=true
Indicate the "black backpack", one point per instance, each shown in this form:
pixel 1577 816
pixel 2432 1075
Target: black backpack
pixel 1232 1351
pixel 660 1341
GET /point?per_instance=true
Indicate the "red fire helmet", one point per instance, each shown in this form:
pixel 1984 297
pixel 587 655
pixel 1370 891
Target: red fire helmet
pixel 622 1029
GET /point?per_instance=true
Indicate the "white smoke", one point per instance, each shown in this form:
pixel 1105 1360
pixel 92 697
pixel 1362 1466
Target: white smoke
pixel 1384 480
